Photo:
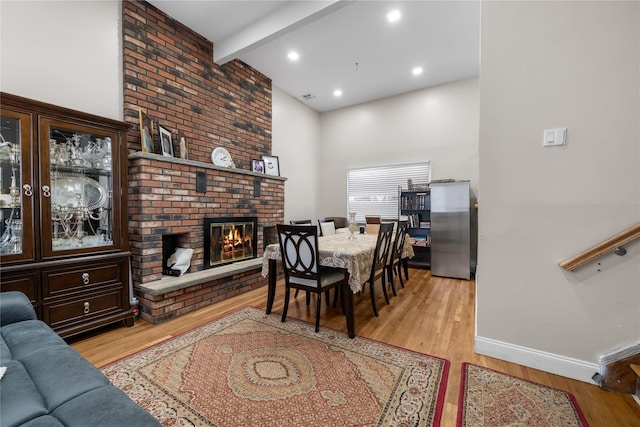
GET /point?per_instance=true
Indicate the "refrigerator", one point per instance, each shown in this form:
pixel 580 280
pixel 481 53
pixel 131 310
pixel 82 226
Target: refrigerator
pixel 451 229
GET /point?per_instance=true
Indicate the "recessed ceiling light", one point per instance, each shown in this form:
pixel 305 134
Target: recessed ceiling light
pixel 394 16
pixel 293 56
pixel 337 92
pixel 417 71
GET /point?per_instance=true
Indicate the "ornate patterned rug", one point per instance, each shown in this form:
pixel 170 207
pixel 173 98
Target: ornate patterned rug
pixel 491 398
pixel 250 369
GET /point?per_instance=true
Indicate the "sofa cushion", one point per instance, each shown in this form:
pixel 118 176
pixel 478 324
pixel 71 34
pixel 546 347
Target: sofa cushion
pixel 28 336
pixel 5 353
pixel 61 374
pixel 15 308
pixel 21 400
pixel 93 409
pixel 44 421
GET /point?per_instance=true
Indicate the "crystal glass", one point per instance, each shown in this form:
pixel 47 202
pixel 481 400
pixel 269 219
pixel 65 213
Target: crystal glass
pixel 352 225
pixel 81 195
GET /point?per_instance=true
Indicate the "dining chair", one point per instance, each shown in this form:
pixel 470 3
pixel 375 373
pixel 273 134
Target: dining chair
pixel 327 228
pixel 300 222
pixel 395 255
pixel 380 256
pixel 372 224
pixel 371 219
pixel 301 266
pixel 339 221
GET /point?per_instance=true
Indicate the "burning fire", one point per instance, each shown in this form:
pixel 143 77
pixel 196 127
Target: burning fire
pixel 234 240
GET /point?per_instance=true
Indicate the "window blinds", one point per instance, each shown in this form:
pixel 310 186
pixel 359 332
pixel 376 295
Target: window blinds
pixel 374 190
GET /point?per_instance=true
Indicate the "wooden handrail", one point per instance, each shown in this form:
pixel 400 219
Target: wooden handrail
pixel 611 243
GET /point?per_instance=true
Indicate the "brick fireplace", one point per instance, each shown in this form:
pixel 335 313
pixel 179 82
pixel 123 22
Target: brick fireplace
pixel 163 201
pixel 170 75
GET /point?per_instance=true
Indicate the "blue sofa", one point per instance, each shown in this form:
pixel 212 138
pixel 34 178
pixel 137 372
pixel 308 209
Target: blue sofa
pixel 48 383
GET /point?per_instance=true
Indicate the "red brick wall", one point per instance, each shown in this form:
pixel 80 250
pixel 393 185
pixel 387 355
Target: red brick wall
pixel 163 200
pixel 169 73
pixel 156 309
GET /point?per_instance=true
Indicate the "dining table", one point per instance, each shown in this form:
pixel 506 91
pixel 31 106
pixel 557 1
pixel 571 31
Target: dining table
pixel 340 251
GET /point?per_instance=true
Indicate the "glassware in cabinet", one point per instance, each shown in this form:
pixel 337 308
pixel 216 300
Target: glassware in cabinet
pixel 78 199
pixel 16 186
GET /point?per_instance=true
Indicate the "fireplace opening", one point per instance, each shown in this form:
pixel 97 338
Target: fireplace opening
pixel 171 242
pixel 229 239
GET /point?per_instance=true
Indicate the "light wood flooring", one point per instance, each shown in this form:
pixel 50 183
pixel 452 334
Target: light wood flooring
pixel 431 315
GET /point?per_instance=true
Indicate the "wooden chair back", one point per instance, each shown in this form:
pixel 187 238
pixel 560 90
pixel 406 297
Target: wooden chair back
pixel 301 222
pixel 299 253
pixel 340 221
pixel 381 253
pixel 398 244
pixel 327 228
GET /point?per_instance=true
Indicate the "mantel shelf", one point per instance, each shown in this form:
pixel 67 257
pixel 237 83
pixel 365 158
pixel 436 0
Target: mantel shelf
pixel 195 163
pixel 169 283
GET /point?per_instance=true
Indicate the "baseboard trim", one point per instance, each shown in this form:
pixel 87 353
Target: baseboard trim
pixel 548 362
pixel 620 354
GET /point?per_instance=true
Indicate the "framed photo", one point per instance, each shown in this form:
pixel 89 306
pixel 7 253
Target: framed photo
pixel 183 148
pixel 166 141
pixel 271 165
pixel 146 133
pixel 257 166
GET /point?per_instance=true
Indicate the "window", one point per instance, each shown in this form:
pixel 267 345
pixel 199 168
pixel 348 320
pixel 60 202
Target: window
pixel 374 191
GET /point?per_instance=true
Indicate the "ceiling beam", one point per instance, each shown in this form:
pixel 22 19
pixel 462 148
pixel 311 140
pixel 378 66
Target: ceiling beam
pixel 278 23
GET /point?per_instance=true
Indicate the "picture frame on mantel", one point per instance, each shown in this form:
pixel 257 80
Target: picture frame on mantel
pixel 166 141
pixel 257 166
pixel 146 133
pixel 271 165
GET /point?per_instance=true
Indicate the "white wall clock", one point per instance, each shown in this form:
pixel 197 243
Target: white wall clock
pixel 221 157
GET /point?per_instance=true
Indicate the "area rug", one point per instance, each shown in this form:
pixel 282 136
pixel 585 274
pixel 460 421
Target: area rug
pixel 250 369
pixel 491 398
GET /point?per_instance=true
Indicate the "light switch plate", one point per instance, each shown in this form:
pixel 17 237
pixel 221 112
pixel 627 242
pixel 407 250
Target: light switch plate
pixel 554 137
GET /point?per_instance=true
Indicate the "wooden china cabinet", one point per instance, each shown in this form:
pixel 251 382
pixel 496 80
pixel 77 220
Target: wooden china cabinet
pixel 63 214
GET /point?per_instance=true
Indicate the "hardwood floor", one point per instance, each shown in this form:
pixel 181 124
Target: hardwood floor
pixel 430 315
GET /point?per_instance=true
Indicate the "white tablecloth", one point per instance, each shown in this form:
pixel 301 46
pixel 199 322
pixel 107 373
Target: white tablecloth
pixel 338 250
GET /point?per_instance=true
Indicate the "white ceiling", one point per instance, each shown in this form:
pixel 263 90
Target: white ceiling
pixel 347 45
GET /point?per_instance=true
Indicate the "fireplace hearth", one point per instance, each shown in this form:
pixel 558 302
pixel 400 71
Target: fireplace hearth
pixel 229 239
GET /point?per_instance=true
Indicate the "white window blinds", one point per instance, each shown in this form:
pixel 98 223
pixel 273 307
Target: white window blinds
pixel 374 190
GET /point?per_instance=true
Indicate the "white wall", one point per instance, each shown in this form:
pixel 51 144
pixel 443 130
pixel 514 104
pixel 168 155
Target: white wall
pixel 547 65
pixel 66 53
pixel 295 131
pixel 438 124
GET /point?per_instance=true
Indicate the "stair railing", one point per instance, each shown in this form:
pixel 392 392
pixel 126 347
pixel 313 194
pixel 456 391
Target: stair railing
pixel 614 243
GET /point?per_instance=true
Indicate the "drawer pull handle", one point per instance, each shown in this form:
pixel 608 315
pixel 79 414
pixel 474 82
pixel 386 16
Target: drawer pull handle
pixel 46 191
pixel 28 191
pixel 86 308
pixel 85 278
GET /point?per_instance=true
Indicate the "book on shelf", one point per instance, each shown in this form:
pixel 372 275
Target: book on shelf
pixel 415 202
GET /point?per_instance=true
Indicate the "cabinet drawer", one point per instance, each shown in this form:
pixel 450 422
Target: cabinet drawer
pixel 82 309
pixel 80 278
pixel 23 282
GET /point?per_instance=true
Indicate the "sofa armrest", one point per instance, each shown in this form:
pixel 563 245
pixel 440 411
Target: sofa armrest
pixel 15 307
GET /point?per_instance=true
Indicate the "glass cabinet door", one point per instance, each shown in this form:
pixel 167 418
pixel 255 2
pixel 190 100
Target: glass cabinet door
pixel 16 187
pixel 77 188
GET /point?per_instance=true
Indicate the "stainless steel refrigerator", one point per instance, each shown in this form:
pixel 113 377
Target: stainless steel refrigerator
pixel 451 229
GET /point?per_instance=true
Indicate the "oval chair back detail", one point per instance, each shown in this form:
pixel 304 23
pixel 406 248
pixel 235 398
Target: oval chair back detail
pixel 301 265
pixel 380 257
